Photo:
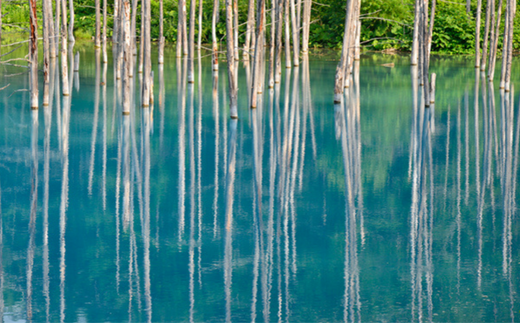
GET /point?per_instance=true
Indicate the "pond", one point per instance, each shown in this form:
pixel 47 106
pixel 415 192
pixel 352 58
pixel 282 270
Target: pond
pixel 301 210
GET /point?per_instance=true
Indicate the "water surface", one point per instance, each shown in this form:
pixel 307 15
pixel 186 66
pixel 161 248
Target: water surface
pixel 298 211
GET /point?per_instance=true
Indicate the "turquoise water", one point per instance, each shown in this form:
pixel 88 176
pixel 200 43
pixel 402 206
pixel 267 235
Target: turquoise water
pixel 298 211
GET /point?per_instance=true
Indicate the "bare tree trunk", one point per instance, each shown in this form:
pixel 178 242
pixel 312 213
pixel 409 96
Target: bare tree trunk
pixel 214 20
pixel 274 23
pixel 494 43
pixel 505 45
pixel 160 59
pixel 0 26
pixel 259 55
pixel 342 65
pixel 489 7
pixel 477 34
pixel 415 44
pixel 180 40
pixel 49 17
pixel 235 34
pixel 295 35
pixel 287 35
pixel 116 28
pixel 307 6
pixel 71 24
pixel 97 39
pixel 133 35
pixel 128 58
pixel 33 54
pixel 57 25
pixel 105 59
pixel 278 40
pixel 142 37
pixel 191 42
pixel 250 29
pixel 507 79
pixel 231 60
pixel 64 64
pixel 468 6
pixel 199 41
pixel 46 49
pixel 147 71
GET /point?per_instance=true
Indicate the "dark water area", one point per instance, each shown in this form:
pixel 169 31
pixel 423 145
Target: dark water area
pixel 301 210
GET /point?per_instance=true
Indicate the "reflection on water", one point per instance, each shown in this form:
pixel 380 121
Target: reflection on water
pixel 298 211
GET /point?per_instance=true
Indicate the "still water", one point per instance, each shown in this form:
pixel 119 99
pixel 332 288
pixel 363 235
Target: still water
pixel 373 210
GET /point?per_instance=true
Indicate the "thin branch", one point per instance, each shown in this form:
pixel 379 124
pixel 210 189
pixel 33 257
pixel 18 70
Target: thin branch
pixel 10 51
pixel 385 19
pixel 11 25
pixel 377 38
pixel 5 87
pixel 20 90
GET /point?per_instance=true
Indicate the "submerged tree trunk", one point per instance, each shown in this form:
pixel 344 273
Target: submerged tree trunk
pixel 160 59
pixel 415 45
pixel 342 65
pixel 46 48
pixel 494 44
pixel 511 6
pixel 97 39
pixel 147 70
pixel 214 20
pixel 199 41
pixel 64 64
pixel 235 28
pixel 191 42
pixel 295 35
pixel 307 6
pixel 477 34
pixel 259 55
pixel 33 54
pixel 287 34
pixel 105 59
pixel 489 7
pixel 231 60
pixel 127 58
pixel 278 40
pixel 71 24
pixel 250 31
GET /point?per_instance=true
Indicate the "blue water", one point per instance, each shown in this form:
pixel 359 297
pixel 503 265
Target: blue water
pixel 373 210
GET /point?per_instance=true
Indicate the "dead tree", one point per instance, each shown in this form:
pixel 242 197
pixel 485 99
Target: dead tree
pixel 494 44
pixel 490 6
pixel 71 23
pixel 477 34
pixel 191 42
pixel 231 60
pixel 97 39
pixel 307 6
pixel 160 59
pixel 214 20
pixel 127 58
pixel 147 71
pixel 33 54
pixel 346 51
pixel 250 31
pixel 259 54
pixel 105 59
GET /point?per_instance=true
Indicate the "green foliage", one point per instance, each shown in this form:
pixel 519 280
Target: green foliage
pixel 386 24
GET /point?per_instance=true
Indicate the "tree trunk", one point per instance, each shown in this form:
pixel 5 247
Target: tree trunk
pixel 415 45
pixel 494 44
pixel 278 40
pixel 287 35
pixel 235 34
pixel 46 49
pixel 191 42
pixel 199 41
pixel 160 59
pixel 272 65
pixel 259 54
pixel 64 64
pixel 105 59
pixel 505 45
pixel 128 58
pixel 295 35
pixel 147 71
pixel 97 39
pixel 250 29
pixel 33 54
pixel 180 12
pixel 71 24
pixel 509 49
pixel 231 60
pixel 489 5
pixel 477 34
pixel 307 6
pixel 57 31
pixel 214 20
pixel 340 70
pixel 64 15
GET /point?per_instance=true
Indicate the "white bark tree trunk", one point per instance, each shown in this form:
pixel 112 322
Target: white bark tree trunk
pixel 231 60
pixel 33 54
